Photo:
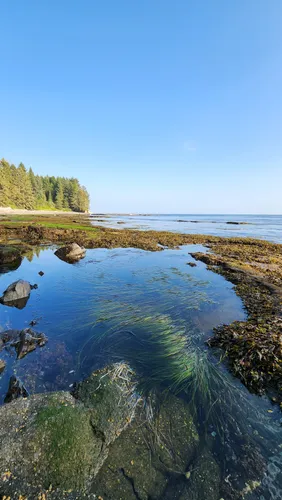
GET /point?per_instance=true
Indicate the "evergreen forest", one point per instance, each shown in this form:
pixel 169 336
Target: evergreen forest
pixel 22 188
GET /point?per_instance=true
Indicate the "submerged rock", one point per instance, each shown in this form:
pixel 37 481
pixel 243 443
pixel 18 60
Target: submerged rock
pixel 28 341
pixel 191 264
pixel 2 364
pixel 158 446
pixel 24 341
pixel 71 253
pixel 16 390
pixel 204 479
pixel 17 294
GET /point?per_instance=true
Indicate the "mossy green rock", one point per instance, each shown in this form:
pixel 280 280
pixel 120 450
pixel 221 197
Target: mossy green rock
pixel 54 440
pixel 47 440
pixel 109 394
pixel 145 456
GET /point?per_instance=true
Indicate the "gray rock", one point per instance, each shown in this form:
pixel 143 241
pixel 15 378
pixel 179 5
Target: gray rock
pixel 16 291
pixel 71 253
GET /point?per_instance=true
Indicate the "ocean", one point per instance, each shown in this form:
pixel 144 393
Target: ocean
pixel 266 227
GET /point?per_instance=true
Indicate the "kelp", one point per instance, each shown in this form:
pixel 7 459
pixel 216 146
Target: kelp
pixel 254 350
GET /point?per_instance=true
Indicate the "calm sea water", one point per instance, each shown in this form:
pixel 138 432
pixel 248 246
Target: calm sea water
pixel 267 227
pixel 129 304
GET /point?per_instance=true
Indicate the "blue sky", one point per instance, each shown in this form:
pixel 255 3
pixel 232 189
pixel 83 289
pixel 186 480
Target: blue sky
pixel 155 105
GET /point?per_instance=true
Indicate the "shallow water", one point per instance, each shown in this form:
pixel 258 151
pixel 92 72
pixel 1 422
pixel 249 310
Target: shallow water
pixel 133 305
pixel 266 227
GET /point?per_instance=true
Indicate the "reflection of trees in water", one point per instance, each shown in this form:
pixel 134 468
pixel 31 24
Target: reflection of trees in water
pixel 33 251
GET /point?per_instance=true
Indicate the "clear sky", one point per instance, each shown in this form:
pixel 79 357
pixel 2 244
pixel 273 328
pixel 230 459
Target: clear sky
pixel 168 106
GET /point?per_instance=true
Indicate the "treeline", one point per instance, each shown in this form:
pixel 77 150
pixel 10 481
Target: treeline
pixel 21 188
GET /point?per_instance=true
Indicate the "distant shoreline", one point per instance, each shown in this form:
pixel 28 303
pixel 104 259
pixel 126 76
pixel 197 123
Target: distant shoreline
pixel 24 211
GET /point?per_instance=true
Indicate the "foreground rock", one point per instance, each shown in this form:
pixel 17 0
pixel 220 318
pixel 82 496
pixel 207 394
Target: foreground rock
pixel 98 442
pixel 2 365
pixel 59 442
pixel 17 294
pixel 145 460
pixel 71 253
pixel 24 341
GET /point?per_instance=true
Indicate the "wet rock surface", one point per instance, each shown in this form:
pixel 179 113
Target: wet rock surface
pixel 17 294
pixel 71 253
pixel 109 394
pixel 204 479
pixel 24 341
pixel 16 390
pixel 157 447
pixel 191 264
pixel 57 442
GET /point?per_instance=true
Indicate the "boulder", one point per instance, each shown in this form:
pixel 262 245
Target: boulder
pixel 24 341
pixel 2 365
pixel 71 253
pixel 56 441
pixel 110 396
pixel 17 294
pixel 158 446
pixel 28 341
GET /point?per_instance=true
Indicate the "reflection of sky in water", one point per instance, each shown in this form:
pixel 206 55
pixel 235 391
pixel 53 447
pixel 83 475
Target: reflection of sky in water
pixel 104 296
pixel 72 299
pixel 268 227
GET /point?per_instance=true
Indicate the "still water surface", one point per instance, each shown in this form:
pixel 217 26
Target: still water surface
pixel 123 304
pixel 266 227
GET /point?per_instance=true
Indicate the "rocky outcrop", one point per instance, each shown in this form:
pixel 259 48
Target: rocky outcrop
pixel 58 441
pixel 17 294
pixel 98 442
pixel 71 253
pixel 157 448
pixel 24 341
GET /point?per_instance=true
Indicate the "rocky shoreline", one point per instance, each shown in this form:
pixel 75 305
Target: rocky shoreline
pixel 254 266
pixel 105 440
